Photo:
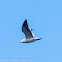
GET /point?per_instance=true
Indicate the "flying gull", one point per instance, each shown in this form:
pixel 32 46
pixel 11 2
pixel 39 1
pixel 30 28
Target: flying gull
pixel 28 33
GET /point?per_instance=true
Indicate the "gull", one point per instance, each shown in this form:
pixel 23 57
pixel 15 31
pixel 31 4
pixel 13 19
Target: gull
pixel 28 33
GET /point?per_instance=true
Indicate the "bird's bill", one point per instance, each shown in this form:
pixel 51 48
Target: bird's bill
pixel 41 38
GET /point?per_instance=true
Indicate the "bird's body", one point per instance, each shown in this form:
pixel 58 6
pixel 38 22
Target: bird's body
pixel 28 33
pixel 29 40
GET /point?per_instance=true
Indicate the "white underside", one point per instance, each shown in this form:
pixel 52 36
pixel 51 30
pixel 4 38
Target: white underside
pixel 29 40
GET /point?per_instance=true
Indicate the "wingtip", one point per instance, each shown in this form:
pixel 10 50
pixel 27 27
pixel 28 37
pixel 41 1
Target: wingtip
pixel 26 20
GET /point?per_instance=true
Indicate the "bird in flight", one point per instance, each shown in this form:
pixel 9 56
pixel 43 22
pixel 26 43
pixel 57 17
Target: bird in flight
pixel 28 33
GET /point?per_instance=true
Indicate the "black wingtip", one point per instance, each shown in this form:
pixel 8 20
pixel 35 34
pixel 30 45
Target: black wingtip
pixel 25 20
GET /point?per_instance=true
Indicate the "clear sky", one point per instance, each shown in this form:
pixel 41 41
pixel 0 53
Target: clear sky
pixel 44 17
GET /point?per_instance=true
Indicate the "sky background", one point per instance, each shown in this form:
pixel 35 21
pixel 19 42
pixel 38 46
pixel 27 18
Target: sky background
pixel 44 17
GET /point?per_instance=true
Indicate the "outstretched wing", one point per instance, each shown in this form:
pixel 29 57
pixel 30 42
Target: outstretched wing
pixel 26 30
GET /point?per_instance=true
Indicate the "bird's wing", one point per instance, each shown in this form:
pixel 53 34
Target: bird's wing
pixel 26 30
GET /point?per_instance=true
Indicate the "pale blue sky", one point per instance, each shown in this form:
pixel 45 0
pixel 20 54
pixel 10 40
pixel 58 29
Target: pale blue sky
pixel 44 17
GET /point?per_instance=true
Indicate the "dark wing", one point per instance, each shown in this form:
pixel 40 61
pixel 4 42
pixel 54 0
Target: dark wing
pixel 26 30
